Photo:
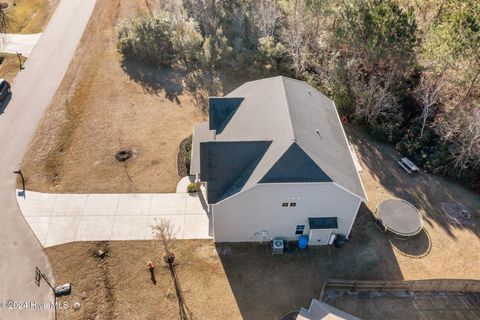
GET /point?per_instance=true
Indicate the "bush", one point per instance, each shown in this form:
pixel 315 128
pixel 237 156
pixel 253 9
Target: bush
pixel 147 39
pixel 188 153
pixel 160 40
pixel 191 188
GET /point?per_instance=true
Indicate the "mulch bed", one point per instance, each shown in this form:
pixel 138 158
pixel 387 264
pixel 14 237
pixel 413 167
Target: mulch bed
pixel 182 169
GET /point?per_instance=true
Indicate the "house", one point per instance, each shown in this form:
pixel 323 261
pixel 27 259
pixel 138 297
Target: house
pixel 276 163
pixel 319 310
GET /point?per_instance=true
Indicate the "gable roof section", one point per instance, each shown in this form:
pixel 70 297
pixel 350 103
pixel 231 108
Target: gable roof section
pixel 228 165
pixel 221 110
pixel 295 166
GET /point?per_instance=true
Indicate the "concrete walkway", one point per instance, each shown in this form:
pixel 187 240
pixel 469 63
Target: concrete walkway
pixel 21 43
pixel 33 89
pixel 62 218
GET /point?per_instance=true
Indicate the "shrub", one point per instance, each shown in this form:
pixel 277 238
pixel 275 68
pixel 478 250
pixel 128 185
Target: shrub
pixel 160 40
pixel 147 39
pixel 191 188
pixel 188 153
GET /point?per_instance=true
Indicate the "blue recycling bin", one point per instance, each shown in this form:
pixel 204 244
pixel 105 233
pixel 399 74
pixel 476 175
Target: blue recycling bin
pixel 303 242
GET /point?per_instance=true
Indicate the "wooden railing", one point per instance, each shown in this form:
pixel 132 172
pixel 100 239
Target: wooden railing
pixel 434 285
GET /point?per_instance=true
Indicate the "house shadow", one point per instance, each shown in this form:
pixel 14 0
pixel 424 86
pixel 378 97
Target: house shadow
pixel 425 191
pixel 5 103
pixel 268 286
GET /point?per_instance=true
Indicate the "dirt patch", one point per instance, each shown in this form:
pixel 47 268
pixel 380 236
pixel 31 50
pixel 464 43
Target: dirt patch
pixel 98 110
pixel 457 213
pixel 124 155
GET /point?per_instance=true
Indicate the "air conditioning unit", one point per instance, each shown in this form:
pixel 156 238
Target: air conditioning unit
pixel 277 246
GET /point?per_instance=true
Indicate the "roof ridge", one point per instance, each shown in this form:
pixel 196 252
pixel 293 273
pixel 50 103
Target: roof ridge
pixel 287 106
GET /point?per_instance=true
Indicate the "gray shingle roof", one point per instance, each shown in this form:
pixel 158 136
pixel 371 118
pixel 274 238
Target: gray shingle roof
pixel 301 123
pixel 227 165
pixel 220 111
pixel 295 166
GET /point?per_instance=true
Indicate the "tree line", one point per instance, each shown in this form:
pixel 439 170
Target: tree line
pixel 408 71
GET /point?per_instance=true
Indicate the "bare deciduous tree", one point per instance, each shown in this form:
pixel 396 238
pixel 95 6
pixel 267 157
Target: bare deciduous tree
pixel 265 17
pixel 461 129
pixel 459 123
pixel 164 231
pixel 295 34
pixel 374 97
pixel 429 95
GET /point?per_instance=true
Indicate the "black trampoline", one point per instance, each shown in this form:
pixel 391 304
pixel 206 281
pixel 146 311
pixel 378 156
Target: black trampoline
pixel 399 217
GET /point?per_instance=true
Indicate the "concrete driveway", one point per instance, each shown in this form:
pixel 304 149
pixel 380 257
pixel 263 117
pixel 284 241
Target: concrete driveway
pixel 21 43
pixel 32 90
pixel 62 218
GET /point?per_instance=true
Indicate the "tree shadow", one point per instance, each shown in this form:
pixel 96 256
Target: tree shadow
pixel 200 82
pixel 425 191
pixel 155 80
pixel 152 276
pixel 175 81
pixel 267 286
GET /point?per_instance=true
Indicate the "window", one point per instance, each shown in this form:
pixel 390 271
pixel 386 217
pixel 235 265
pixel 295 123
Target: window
pixel 323 223
pixel 300 229
pixel 293 204
pixel 285 204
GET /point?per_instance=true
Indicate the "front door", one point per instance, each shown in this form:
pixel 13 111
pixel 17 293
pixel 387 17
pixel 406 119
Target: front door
pixel 319 237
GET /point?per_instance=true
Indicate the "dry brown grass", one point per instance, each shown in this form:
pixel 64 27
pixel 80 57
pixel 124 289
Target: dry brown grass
pixel 29 16
pixel 99 110
pixel 10 66
pixel 119 285
pixel 244 281
pixel 450 250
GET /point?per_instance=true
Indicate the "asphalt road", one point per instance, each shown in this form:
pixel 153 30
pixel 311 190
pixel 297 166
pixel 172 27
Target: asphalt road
pixel 32 90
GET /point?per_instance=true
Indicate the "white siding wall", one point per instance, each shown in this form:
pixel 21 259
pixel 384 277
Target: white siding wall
pixel 244 216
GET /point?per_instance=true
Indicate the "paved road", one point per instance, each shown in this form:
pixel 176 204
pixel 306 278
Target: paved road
pixel 33 90
pixel 21 43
